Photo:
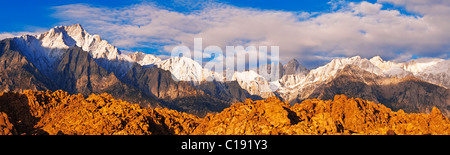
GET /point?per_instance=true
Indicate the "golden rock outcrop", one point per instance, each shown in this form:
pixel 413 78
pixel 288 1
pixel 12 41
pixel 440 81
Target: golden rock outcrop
pixel 60 113
pixel 339 116
pixel 46 112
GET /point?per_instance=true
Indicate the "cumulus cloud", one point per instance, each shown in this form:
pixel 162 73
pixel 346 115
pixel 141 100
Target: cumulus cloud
pixel 6 35
pixel 364 29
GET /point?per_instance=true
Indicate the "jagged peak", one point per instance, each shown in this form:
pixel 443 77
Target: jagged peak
pixel 69 27
pixel 354 70
pixel 349 67
pixel 293 61
pixel 184 60
pixel 376 58
pixel 72 30
pixel 144 58
pixel 139 55
pixel 294 67
pixel 345 59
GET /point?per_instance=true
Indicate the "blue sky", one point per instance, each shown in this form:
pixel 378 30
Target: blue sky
pixel 32 15
pixel 312 31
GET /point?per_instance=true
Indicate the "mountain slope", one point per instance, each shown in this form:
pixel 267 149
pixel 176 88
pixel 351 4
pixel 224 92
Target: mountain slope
pixel 253 83
pixel 46 49
pixel 106 55
pixel 17 72
pixel 144 59
pixel 293 74
pixel 294 67
pixel 438 73
pixel 410 94
pixel 70 59
pixel 229 91
pixel 179 95
pixel 77 72
pixel 41 113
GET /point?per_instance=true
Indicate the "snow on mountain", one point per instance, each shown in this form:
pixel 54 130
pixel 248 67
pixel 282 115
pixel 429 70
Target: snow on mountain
pixel 433 70
pixel 292 80
pixel 304 86
pixel 389 68
pixel 397 71
pixel 437 72
pixel 182 68
pixel 63 37
pixel 254 83
pixel 144 59
pixel 420 65
pixel 293 73
pixel 380 63
pixel 294 67
pixel 322 73
pixel 247 76
pixel 46 48
pixel 186 69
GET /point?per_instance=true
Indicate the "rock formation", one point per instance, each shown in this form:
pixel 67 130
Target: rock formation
pixel 58 112
pixel 342 115
pixel 409 94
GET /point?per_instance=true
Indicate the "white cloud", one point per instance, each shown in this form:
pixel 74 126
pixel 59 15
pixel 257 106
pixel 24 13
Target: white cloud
pixel 6 35
pixel 335 4
pixel 367 8
pixel 363 29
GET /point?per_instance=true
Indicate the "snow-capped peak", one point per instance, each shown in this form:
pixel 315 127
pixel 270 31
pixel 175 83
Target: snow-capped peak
pixel 46 48
pixel 419 65
pixel 247 76
pixel 380 63
pixel 254 83
pixel 182 68
pixel 64 37
pixel 144 59
pixel 376 59
pixel 389 68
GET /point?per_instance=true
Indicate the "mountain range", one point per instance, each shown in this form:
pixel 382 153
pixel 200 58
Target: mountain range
pixel 68 58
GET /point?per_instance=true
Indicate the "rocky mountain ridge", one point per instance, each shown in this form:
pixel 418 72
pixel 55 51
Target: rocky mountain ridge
pixel 59 113
pixel 410 94
pixel 71 59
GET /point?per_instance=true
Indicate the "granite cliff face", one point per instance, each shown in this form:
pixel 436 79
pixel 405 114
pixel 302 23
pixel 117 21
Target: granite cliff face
pixel 41 113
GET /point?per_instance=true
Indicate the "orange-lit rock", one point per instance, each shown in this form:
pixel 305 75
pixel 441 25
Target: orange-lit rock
pixel 46 112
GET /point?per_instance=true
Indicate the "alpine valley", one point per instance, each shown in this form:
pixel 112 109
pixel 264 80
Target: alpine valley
pixel 70 59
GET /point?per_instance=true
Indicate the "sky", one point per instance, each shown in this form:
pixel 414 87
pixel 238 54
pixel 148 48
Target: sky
pixel 311 31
